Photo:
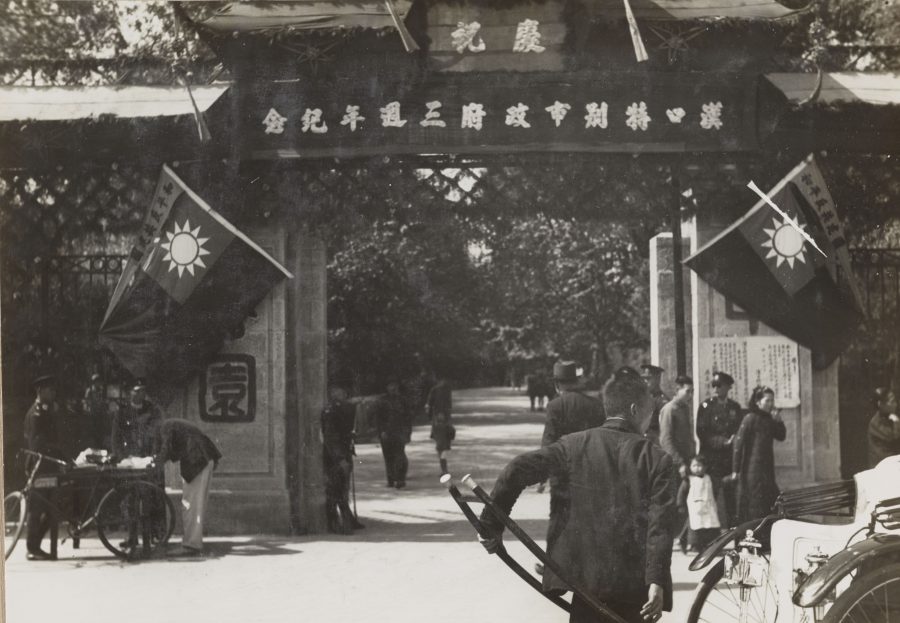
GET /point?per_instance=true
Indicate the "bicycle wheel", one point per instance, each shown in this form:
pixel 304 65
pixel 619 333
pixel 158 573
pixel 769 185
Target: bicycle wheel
pixel 14 508
pixel 717 601
pixel 134 519
pixel 873 597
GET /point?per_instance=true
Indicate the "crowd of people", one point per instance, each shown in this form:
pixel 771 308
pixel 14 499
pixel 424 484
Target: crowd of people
pixel 124 429
pixel 627 478
pixel 394 416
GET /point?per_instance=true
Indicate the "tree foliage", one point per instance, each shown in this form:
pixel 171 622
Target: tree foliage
pixel 566 288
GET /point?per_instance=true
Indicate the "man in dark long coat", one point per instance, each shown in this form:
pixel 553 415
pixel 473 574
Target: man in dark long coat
pixel 616 538
pixel 571 412
pixel 394 423
pixel 41 436
pixel 338 419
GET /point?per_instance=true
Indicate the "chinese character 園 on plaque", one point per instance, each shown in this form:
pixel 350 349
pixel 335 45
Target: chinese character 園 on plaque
pixel 228 389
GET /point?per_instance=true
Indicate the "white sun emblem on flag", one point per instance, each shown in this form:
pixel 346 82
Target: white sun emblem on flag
pixel 184 249
pixel 785 243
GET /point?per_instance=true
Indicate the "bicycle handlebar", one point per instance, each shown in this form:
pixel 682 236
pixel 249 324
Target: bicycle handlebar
pixel 45 457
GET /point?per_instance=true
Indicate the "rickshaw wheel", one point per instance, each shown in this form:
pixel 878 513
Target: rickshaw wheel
pixel 134 519
pixel 874 596
pixel 715 601
pixel 14 508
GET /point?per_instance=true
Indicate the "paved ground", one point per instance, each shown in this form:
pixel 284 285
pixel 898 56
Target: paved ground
pixel 416 560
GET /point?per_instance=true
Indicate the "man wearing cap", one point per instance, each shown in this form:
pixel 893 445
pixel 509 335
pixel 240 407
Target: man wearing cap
pixel 570 412
pixel 573 410
pixel 718 420
pixel 96 410
pixel 615 538
pixel 652 376
pixel 40 436
pixel 135 423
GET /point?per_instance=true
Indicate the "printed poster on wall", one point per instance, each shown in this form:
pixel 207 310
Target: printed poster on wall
pixel 752 361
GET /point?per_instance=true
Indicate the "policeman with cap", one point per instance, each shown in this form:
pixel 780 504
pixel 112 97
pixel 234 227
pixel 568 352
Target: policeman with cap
pixel 41 436
pixel 718 420
pixel 652 376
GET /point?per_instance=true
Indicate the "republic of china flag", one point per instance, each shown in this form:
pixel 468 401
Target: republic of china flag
pixel 180 296
pixel 763 264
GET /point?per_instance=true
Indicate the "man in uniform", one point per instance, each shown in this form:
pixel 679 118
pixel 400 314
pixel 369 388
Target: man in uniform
pixel 652 376
pixel 616 541
pixel 338 420
pixel 135 423
pixel 394 424
pixel 40 436
pixel 718 420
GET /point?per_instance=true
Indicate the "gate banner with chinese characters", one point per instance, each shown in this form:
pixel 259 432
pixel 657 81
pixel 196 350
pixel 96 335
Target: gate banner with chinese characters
pixel 195 285
pixel 500 113
pixel 752 361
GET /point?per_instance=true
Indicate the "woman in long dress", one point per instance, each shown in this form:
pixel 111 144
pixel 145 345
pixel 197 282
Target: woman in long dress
pixel 754 456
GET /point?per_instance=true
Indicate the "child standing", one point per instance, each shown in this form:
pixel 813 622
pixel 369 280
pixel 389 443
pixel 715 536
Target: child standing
pixel 440 403
pixel 697 496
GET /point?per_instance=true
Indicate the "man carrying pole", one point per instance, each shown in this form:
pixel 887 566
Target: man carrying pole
pixel 616 538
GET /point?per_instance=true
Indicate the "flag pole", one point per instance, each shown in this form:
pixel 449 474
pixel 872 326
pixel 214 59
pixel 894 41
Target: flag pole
pixel 677 272
pixel 640 52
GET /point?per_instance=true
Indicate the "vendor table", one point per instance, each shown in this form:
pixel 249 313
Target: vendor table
pixel 132 513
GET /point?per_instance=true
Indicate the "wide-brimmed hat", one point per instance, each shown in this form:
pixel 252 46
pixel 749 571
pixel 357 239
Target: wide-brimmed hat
pixel 565 371
pixel 722 378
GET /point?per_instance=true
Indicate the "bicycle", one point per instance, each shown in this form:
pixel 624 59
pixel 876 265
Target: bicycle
pixel 134 517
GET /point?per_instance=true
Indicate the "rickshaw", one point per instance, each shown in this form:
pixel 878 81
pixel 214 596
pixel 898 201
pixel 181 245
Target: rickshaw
pixel 828 553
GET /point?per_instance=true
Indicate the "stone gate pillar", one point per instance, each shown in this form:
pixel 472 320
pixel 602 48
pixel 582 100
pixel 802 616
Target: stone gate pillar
pixel 269 480
pixel 249 493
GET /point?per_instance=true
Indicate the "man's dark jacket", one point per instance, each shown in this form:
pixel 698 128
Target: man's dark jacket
pixel 571 412
pixel 179 440
pixel 338 420
pixel 717 422
pixel 393 418
pixel 617 538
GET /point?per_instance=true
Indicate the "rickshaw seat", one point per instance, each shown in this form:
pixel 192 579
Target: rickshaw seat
pixel 833 498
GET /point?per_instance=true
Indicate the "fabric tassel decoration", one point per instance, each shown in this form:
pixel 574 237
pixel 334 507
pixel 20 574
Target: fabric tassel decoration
pixel 408 42
pixel 639 50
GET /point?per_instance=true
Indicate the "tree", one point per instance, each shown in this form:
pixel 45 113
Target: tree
pixel 566 288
